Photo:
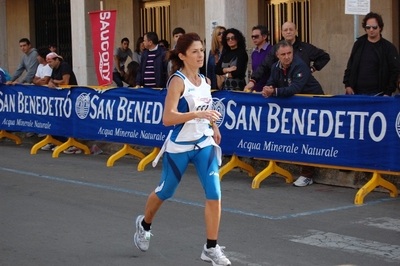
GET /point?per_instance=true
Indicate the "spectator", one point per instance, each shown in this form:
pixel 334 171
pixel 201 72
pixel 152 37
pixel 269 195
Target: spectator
pixel 28 63
pixel 289 76
pixel 4 76
pixel 131 73
pixel 53 47
pixel 62 75
pixel 43 71
pixel 176 33
pixel 373 66
pixel 153 67
pixel 62 72
pixel 164 43
pixel 215 54
pixel 314 57
pixel 193 140
pixel 233 62
pixel 262 49
pixel 138 50
pixel 120 56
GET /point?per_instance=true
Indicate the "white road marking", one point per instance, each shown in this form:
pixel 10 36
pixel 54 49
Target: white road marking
pixel 350 244
pixel 383 223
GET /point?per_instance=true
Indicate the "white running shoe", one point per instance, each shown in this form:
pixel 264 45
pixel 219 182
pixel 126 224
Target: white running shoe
pixel 48 147
pixel 303 181
pixel 142 237
pixel 215 255
pixel 72 150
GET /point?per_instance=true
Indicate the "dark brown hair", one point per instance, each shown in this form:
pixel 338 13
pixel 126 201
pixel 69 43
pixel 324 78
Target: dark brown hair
pixel 183 44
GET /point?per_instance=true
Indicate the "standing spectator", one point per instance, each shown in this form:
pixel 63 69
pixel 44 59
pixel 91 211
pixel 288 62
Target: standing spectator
pixel 289 76
pixel 153 66
pixel 314 57
pixel 120 56
pixel 4 76
pixel 194 139
pixel 43 71
pixel 262 49
pixel 164 43
pixel 176 33
pixel 138 50
pixel 28 63
pixel 215 54
pixel 373 66
pixel 233 62
pixel 53 47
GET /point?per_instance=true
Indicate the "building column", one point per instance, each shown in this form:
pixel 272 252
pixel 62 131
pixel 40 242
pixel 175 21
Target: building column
pixel 227 13
pixel 3 34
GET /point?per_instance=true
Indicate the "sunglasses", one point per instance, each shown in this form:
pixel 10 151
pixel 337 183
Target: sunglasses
pixel 255 36
pixel 233 38
pixel 373 26
pixel 220 33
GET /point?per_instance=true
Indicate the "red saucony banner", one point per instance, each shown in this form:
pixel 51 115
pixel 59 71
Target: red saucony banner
pixel 103 31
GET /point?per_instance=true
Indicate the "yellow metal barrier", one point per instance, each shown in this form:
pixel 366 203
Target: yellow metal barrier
pixel 47 140
pixel 5 134
pixel 149 158
pixel 233 163
pixel 70 142
pixel 126 149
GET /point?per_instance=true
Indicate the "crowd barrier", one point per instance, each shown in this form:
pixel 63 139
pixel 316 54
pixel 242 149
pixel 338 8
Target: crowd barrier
pixel 342 132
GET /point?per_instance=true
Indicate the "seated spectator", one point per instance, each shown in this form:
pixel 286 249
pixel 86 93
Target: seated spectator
pixel 28 63
pixel 62 75
pixel 4 76
pixel 131 73
pixel 120 56
pixel 43 71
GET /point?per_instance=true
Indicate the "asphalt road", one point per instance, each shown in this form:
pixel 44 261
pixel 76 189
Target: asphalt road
pixel 74 210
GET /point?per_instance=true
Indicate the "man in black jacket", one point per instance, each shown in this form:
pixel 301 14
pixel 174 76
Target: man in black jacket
pixel 314 57
pixel 373 66
pixel 289 76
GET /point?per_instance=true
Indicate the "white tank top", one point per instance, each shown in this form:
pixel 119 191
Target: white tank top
pixel 194 98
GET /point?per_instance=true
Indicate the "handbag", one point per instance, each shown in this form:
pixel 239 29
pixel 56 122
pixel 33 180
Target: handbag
pixel 232 83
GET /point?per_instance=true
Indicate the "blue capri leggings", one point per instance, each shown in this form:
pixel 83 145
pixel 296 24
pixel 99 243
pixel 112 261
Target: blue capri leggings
pixel 175 164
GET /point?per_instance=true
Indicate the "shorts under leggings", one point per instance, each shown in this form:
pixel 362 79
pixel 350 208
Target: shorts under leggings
pixel 175 164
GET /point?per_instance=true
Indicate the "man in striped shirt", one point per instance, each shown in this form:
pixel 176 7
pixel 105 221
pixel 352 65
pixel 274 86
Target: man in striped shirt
pixel 153 66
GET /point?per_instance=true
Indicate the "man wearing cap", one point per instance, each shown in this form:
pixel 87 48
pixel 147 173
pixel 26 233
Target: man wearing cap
pixel 62 71
pixel 28 63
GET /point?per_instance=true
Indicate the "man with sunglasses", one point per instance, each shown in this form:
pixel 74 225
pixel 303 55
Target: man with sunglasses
pixel 314 57
pixel 260 40
pixel 373 66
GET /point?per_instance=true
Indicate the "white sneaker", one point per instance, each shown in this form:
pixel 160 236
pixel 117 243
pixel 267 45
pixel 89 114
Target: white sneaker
pixel 303 181
pixel 48 147
pixel 142 237
pixel 215 255
pixel 72 150
pixel 29 134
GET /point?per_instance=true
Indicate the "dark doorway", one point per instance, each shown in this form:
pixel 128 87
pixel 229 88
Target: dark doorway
pixel 53 25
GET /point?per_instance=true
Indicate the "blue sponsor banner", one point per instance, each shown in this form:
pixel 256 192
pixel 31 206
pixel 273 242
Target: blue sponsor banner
pixel 350 131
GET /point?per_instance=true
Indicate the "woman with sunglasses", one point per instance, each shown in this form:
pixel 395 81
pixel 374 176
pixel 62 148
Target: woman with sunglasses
pixel 215 54
pixel 234 58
